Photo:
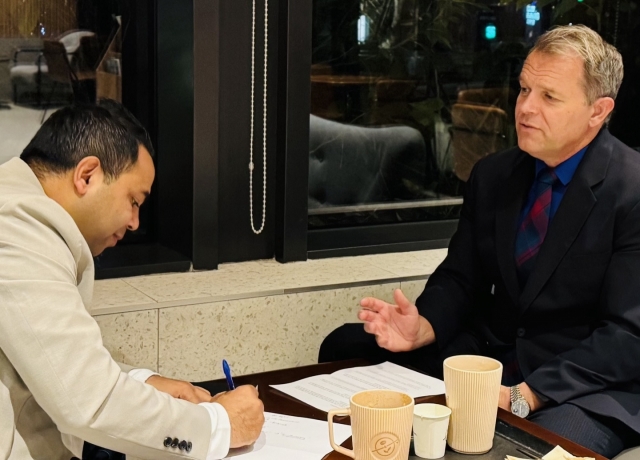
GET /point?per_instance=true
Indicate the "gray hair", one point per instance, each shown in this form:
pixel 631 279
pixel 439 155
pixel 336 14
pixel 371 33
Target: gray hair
pixel 603 69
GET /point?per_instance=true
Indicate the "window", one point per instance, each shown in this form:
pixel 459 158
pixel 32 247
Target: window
pixel 25 83
pixel 407 95
pixel 57 52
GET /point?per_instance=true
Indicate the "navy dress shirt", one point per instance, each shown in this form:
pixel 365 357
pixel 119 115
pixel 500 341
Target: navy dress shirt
pixel 564 171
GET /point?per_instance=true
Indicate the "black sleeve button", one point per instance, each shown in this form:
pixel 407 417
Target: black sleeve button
pixel 167 441
pixel 175 442
pixel 189 447
pixel 521 332
pixel 182 445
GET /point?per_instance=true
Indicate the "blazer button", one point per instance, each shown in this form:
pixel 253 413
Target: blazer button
pixel 167 441
pixel 521 332
pixel 182 445
pixel 175 442
pixel 189 446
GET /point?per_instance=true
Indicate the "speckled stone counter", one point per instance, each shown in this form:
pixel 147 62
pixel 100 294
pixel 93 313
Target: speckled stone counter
pixel 259 315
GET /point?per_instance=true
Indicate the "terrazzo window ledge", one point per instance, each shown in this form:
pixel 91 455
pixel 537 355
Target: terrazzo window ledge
pixel 260 279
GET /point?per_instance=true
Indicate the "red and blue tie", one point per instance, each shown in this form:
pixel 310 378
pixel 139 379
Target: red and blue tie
pixel 534 226
pixel 529 238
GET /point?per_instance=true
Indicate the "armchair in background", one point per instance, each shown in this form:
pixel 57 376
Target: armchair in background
pixel 76 71
pixel 72 40
pixel 480 127
pixel 391 100
pixel 27 70
pixel 351 165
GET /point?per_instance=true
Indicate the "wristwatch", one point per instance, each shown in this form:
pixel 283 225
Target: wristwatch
pixel 519 405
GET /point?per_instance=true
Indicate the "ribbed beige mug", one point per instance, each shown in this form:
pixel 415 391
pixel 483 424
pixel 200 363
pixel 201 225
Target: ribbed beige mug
pixel 472 385
pixel 381 423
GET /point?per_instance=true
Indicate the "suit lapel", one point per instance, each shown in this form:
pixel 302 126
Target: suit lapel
pixel 573 212
pixel 508 212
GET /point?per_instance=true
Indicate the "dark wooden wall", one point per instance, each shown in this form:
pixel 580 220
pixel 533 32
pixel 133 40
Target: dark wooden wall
pixel 19 19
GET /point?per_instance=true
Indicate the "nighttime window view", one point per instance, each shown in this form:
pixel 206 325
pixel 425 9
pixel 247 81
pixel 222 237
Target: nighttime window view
pixel 407 95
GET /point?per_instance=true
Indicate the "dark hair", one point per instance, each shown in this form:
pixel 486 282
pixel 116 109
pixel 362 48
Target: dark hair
pixel 107 131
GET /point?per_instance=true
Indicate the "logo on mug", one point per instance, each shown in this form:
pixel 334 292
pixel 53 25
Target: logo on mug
pixel 384 445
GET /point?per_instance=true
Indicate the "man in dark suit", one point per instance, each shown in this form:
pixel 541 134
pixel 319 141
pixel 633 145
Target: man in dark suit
pixel 541 273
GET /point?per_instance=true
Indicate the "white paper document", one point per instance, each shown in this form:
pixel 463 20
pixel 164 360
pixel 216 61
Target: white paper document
pixel 558 453
pixel 297 438
pixel 333 391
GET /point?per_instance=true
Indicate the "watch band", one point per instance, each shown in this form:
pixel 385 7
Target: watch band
pixel 519 405
pixel 515 394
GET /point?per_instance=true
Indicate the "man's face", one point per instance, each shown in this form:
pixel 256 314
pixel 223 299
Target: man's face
pixel 552 112
pixel 114 207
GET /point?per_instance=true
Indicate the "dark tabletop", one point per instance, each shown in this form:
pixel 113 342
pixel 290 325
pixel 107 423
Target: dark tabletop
pixel 514 436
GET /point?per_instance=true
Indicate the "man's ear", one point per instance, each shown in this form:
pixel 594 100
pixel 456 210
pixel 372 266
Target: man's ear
pixel 602 107
pixel 87 173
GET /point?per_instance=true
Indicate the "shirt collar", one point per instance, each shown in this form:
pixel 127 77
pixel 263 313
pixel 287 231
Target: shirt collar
pixel 565 170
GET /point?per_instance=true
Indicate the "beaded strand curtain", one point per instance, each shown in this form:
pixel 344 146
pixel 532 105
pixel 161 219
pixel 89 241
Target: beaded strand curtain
pixel 36 18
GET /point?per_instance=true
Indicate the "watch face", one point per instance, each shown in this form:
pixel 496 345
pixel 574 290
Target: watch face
pixel 520 408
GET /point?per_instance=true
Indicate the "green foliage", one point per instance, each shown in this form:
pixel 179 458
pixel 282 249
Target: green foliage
pixel 401 30
pixel 416 23
pixel 425 112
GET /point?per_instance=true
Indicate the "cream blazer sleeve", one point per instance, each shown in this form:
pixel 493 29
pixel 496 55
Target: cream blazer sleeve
pixel 12 446
pixel 56 346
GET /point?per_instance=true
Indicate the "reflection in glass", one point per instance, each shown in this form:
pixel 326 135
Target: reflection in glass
pixel 52 53
pixel 407 95
pixel 57 52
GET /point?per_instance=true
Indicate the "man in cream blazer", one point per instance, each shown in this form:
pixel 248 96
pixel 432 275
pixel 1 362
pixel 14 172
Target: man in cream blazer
pixel 75 191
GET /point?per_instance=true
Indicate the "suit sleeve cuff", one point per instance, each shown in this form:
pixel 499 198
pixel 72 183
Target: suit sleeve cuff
pixel 543 399
pixel 533 382
pixel 141 375
pixel 220 431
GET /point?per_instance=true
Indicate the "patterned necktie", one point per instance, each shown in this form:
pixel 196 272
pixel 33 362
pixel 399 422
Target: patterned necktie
pixel 534 226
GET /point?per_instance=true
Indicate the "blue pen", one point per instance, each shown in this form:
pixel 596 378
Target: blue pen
pixel 227 374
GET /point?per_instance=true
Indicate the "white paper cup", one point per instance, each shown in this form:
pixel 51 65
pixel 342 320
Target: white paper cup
pixel 430 425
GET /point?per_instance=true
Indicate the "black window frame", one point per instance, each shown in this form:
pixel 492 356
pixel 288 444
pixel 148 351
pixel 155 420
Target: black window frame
pixel 198 113
pixel 295 241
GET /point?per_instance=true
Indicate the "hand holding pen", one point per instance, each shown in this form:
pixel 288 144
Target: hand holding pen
pixel 244 408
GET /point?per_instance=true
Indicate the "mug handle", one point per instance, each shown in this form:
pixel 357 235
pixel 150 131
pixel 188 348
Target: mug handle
pixel 332 413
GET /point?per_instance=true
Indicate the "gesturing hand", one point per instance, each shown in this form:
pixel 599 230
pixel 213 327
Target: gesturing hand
pixel 179 389
pixel 396 327
pixel 246 414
